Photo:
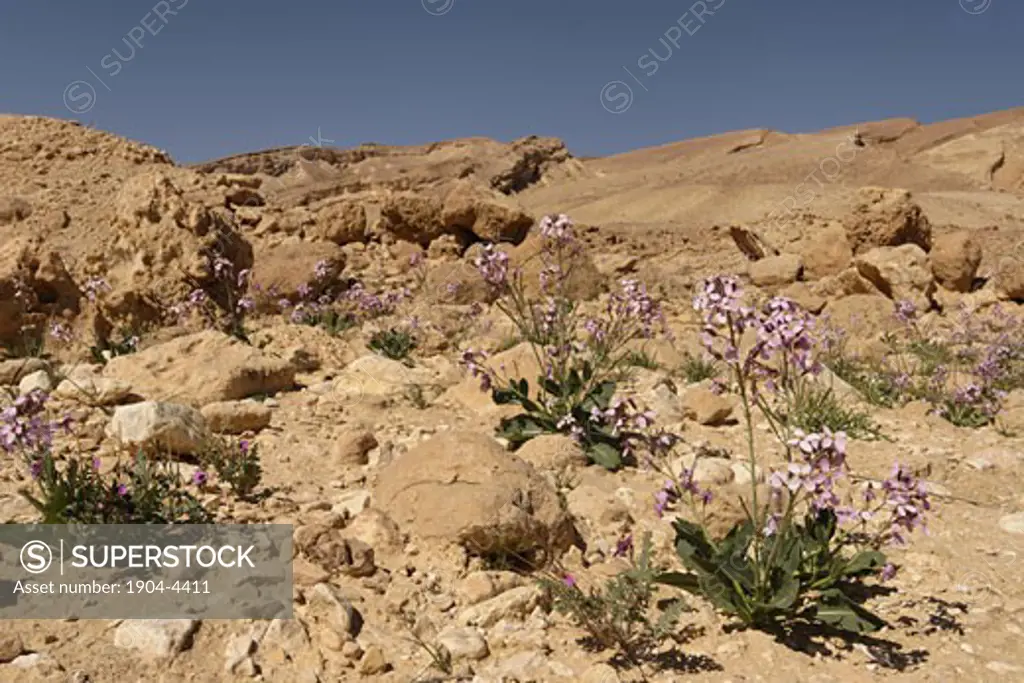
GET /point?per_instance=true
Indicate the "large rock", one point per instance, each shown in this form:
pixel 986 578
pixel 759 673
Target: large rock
pixel 462 487
pixel 164 427
pixel 412 217
pixel 862 315
pixel 460 282
pixel 489 215
pixel 1010 278
pixel 901 273
pixel 286 267
pixel 202 368
pixel 163 241
pixel 584 281
pixel 887 218
pixel 776 271
pixel 826 252
pixel 341 222
pixel 376 379
pixel 955 258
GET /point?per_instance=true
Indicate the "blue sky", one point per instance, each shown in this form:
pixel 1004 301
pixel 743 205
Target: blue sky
pixel 207 78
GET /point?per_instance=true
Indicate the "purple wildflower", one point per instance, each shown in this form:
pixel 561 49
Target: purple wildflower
pixel 493 266
pixel 624 546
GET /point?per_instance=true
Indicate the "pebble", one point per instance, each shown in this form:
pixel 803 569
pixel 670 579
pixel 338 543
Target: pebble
pixel 1013 524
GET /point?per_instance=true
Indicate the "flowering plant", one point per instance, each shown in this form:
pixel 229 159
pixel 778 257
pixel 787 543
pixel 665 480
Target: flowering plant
pixel 799 554
pixel 580 358
pixel 74 489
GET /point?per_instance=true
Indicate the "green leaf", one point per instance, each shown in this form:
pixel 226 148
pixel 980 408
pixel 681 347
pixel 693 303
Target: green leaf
pixel 520 428
pixel 599 397
pixel 822 527
pixel 504 396
pixel 785 590
pixel 605 455
pixel 573 383
pixel 863 563
pixel 834 608
pixel 686 581
pixel 552 387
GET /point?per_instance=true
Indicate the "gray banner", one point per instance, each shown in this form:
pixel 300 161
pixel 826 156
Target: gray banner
pixel 108 571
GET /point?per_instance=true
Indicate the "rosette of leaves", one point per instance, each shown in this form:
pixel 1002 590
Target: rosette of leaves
pixel 560 404
pixel 800 573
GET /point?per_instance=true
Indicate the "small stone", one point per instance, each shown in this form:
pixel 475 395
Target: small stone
pixel 237 651
pixel 1013 524
pixel 10 646
pixel 166 426
pixel 351 503
pixel 713 471
pixel 236 417
pixel 464 643
pixel 516 603
pixel 36 381
pixel 373 662
pixel 352 447
pixel 156 637
pixel 706 407
pixel 40 661
pixel 980 464
pixel 774 271
pixel 482 585
pixel 351 650
pixel 341 615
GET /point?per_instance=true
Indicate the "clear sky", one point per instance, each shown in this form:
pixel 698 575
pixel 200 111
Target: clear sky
pixel 208 78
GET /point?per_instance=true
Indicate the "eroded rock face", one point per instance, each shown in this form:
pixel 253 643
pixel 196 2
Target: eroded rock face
pixel 291 265
pixel 487 214
pixel 413 217
pixel 202 368
pixel 887 218
pixel 464 488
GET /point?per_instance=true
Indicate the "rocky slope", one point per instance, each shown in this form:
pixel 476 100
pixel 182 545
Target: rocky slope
pixel 846 222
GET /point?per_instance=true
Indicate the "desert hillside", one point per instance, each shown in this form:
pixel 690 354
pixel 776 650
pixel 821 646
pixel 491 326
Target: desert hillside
pixel 335 315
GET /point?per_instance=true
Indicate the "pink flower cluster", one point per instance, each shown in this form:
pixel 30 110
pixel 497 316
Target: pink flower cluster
pixel 25 429
pixel 783 345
